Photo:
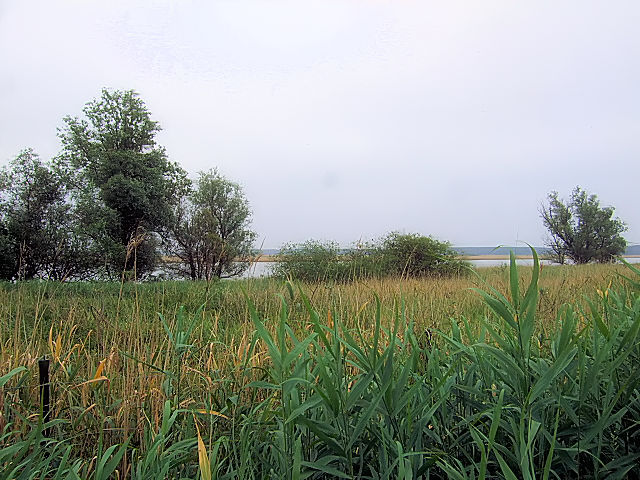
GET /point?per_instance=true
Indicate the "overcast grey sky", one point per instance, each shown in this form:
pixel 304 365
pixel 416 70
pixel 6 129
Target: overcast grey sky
pixel 345 120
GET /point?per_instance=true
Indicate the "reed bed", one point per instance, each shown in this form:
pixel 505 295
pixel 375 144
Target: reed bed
pixel 503 374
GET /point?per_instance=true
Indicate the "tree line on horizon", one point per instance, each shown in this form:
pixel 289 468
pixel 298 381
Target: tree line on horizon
pixel 112 204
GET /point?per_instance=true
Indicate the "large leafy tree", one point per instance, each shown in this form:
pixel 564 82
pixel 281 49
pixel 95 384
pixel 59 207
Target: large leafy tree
pixel 37 227
pixel 581 230
pixel 125 186
pixel 211 234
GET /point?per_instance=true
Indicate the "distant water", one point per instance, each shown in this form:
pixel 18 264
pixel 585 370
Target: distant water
pixel 259 269
pixel 529 262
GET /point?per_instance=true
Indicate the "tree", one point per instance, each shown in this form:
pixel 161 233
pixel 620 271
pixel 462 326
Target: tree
pixel 581 230
pixel 125 186
pixel 212 229
pixel 37 235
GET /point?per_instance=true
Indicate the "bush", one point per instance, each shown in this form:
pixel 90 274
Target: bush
pixel 310 261
pixel 413 255
pixel 407 255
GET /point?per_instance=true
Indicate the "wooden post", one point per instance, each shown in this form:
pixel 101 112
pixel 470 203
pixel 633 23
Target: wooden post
pixel 45 393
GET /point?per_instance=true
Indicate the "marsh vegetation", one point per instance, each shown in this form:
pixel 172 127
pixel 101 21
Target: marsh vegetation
pixel 533 375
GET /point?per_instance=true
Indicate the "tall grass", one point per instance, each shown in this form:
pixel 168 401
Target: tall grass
pixel 521 378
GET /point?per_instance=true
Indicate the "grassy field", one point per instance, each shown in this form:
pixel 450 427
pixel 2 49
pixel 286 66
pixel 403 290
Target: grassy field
pixel 225 380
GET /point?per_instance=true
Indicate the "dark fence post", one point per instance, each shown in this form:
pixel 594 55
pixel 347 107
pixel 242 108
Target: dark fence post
pixel 45 393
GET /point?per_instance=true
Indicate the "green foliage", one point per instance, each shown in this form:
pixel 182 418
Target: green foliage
pixel 414 255
pixel 108 202
pixel 493 403
pixel 9 253
pixel 38 234
pixel 401 255
pixel 311 261
pixel 211 234
pixel 125 186
pixel 581 230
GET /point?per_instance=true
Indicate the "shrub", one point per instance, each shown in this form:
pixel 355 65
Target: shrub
pixel 310 261
pixel 413 255
pixel 408 255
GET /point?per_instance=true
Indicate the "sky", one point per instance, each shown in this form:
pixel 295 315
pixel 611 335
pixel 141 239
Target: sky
pixel 344 120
